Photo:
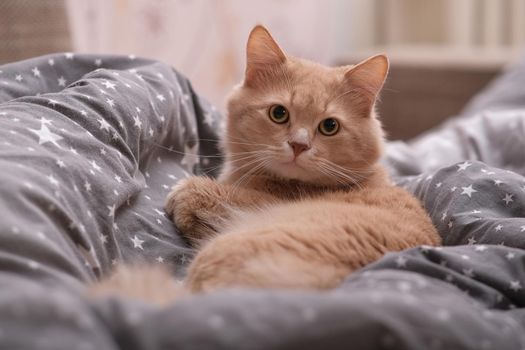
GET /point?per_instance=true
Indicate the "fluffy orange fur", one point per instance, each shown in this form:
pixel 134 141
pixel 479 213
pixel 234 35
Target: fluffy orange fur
pixel 279 218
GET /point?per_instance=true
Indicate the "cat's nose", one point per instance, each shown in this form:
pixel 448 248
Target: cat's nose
pixel 298 147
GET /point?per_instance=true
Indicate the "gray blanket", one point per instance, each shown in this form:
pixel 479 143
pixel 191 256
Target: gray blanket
pixel 89 147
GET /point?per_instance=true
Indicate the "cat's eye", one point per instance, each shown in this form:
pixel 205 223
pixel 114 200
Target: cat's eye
pixel 329 126
pixel 279 114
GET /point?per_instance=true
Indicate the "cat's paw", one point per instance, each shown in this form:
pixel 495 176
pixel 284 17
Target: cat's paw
pixel 195 206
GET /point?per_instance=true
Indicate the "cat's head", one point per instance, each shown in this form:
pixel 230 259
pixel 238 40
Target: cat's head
pixel 296 119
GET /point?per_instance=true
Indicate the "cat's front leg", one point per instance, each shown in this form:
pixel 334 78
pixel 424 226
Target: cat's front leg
pixel 198 207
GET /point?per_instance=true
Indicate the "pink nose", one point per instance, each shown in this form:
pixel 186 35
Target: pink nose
pixel 298 148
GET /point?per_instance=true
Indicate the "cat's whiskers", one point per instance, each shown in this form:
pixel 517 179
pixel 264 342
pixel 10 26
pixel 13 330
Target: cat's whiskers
pixel 263 161
pixel 218 155
pixel 327 172
pixel 353 177
pixel 238 157
pixel 358 172
pixel 257 158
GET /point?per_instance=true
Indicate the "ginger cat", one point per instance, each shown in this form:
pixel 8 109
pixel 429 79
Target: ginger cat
pixel 302 201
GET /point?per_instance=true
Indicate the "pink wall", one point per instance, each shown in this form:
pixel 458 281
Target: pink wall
pixel 204 39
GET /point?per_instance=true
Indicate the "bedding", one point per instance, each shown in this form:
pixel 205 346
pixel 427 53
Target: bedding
pixel 89 147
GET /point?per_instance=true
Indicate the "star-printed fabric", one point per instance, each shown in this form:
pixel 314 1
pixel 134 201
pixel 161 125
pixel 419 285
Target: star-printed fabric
pixel 89 148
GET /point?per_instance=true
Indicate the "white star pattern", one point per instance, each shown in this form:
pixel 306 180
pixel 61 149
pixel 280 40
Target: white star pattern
pixel 508 198
pixel 159 212
pixel 33 265
pixel 61 81
pixel 110 102
pixel 522 228
pixel 104 125
pixel 160 259
pixel 111 210
pixel 480 248
pixel 515 285
pixel 499 227
pixel 401 261
pixel 471 240
pixel 45 121
pixel 161 98
pixel 208 119
pixel 138 123
pixel 108 84
pixel 468 191
pixel 119 180
pixel 87 186
pixel 45 135
pixel 190 157
pixel 96 166
pixel 463 166
pixel 69 55
pixel 19 77
pixel 137 242
pixel 103 239
pixel 52 179
pixel 498 182
pixel 510 256
pixel 36 72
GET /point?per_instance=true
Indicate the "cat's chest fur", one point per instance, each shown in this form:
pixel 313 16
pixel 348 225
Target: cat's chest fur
pixel 294 190
pixel 284 190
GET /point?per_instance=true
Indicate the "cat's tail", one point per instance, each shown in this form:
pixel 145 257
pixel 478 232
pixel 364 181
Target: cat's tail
pixel 149 283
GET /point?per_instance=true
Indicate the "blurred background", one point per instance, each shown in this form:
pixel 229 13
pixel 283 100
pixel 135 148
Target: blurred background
pixel 442 51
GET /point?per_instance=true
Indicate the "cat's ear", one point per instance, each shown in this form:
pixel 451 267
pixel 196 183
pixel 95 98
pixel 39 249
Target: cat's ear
pixel 368 78
pixel 262 53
